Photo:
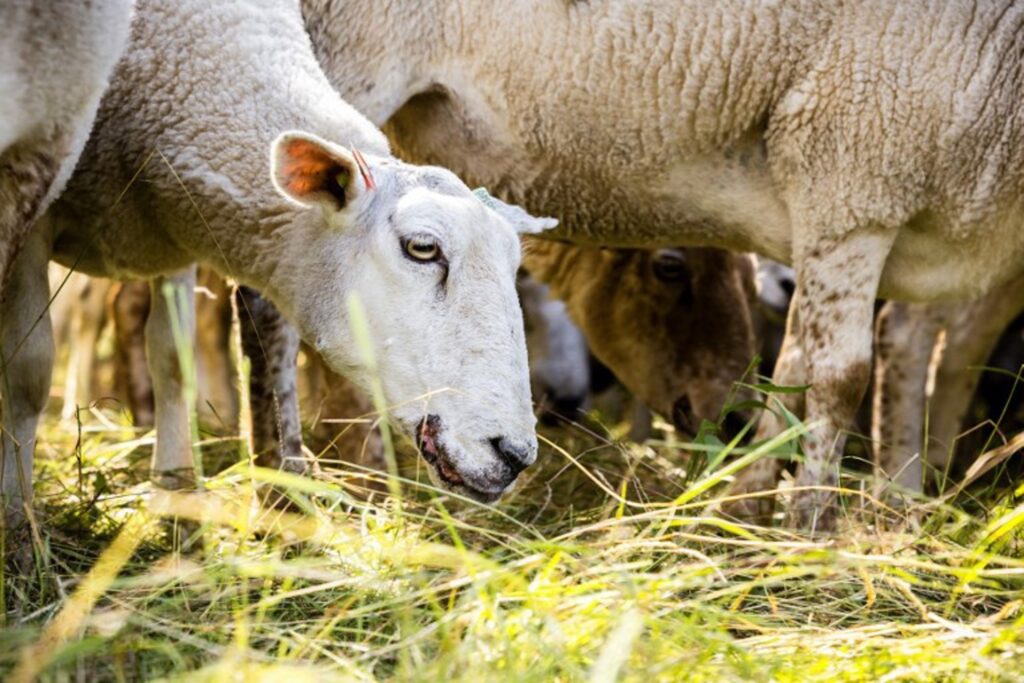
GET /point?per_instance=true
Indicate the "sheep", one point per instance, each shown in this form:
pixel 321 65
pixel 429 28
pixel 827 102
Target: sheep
pixel 874 146
pixel 643 339
pixel 176 173
pixel 558 360
pixel 559 364
pixel 55 60
pixel 673 325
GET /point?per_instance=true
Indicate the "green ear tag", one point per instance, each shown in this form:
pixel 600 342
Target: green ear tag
pixel 485 198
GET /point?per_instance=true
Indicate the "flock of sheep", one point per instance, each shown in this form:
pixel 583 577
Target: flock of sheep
pixel 876 146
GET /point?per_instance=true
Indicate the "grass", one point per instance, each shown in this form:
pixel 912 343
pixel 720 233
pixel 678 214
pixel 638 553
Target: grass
pixel 607 564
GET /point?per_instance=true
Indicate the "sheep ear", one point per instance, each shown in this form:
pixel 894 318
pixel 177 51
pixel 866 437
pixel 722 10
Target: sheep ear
pixel 522 222
pixel 311 171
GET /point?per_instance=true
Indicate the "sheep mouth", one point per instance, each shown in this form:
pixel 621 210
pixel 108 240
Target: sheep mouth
pixel 433 451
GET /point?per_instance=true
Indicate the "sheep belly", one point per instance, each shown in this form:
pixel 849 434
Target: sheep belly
pixel 736 195
pixel 928 263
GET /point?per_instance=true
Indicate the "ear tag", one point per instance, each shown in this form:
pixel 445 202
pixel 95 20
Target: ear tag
pixel 364 169
pixel 485 198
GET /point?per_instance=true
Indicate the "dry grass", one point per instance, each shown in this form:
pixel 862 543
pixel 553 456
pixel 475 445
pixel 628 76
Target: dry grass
pixel 608 564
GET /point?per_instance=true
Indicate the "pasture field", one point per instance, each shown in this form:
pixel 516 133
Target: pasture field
pixel 607 564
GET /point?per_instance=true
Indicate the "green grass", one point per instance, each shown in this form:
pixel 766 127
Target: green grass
pixel 607 564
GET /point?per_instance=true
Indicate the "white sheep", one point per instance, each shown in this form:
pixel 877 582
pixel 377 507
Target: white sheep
pixel 55 59
pixel 878 147
pixel 176 172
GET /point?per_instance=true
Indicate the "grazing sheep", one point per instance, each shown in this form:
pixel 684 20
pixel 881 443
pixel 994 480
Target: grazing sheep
pixel 672 324
pixel 559 371
pixel 55 59
pixel 176 173
pixel 559 364
pixel 878 147
pixel 392 94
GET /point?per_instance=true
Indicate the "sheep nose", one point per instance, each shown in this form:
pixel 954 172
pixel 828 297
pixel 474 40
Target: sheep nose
pixel 517 456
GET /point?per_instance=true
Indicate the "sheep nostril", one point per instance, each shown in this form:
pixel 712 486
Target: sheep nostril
pixel 516 456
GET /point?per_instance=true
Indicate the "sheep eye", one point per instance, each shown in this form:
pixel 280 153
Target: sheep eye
pixel 670 265
pixel 424 249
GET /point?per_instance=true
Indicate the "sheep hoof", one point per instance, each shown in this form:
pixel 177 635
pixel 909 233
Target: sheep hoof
pixel 182 534
pixel 174 480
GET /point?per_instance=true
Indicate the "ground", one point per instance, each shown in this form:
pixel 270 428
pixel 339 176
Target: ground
pixel 607 564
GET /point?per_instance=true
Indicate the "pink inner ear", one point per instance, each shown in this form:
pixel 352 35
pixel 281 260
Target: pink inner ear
pixel 305 168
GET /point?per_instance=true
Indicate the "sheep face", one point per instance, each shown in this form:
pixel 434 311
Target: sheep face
pixel 423 274
pixel 672 324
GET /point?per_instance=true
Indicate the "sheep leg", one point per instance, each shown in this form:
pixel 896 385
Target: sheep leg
pixel 130 313
pixel 26 341
pixel 26 174
pixel 86 327
pixel 763 475
pixel 971 337
pixel 905 337
pixel 272 346
pixel 173 466
pixel 838 280
pixel 218 383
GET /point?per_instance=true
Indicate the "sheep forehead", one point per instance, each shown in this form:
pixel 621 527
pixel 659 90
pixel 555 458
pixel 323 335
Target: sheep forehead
pixel 461 221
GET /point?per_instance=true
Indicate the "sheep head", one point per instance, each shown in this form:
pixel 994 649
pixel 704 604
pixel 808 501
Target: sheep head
pixel 437 330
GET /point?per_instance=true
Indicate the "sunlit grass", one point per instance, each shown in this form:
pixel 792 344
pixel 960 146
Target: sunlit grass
pixel 607 564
